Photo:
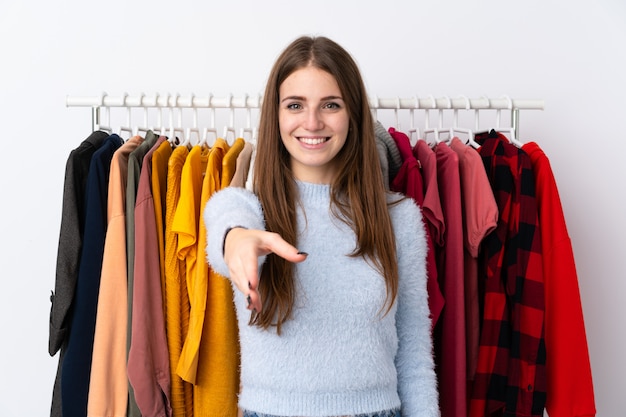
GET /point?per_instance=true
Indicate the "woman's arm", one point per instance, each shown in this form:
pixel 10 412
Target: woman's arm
pixel 417 382
pixel 237 242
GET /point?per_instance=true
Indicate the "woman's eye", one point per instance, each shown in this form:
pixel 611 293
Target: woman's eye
pixel 294 106
pixel 332 105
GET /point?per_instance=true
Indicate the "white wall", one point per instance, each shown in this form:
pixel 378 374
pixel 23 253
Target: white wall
pixel 569 53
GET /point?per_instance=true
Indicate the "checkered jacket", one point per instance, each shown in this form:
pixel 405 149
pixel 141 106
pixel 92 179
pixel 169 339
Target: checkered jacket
pixel 511 375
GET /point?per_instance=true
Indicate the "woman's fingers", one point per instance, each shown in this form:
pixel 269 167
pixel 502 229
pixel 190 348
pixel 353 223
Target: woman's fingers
pixel 274 243
pixel 243 247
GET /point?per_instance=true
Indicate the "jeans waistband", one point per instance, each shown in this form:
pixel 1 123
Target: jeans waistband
pixel 386 413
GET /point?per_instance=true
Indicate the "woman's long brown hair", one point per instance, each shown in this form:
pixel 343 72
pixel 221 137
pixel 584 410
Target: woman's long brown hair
pixel 358 194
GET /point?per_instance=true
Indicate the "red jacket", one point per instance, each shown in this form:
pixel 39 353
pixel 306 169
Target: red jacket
pixel 569 385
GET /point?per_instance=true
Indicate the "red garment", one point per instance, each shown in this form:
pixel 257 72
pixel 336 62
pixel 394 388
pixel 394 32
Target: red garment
pixel 432 204
pixel 511 376
pixel 570 385
pixel 409 182
pixel 480 217
pixel 449 337
pixel 433 216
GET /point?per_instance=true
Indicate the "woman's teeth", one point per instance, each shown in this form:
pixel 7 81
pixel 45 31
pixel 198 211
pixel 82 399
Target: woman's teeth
pixel 312 141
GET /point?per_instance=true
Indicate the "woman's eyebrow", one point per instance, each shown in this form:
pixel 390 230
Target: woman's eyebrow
pixel 293 98
pixel 300 98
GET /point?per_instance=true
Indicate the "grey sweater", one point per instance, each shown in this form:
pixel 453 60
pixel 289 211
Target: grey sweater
pixel 338 355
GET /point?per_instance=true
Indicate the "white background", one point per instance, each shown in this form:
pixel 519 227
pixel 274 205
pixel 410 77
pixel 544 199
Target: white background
pixel 569 53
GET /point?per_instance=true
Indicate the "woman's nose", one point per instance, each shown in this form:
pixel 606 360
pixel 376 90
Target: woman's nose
pixel 313 121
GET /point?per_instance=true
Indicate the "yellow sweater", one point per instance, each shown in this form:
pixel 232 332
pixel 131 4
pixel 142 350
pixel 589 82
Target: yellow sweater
pixel 218 370
pixel 176 300
pixel 185 225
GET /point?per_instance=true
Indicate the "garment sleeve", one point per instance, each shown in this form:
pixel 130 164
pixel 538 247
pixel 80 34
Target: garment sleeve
pixel 417 382
pixel 228 208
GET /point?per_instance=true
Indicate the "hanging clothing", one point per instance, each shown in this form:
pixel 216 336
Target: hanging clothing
pixel 160 158
pixel 449 334
pixel 511 375
pixel 409 182
pixel 68 254
pixel 433 213
pixel 480 217
pixel 388 153
pixel 176 299
pixel 148 360
pixel 217 383
pixel 524 346
pixel 185 225
pixel 108 384
pixel 242 166
pixel 135 161
pixel 77 360
pixel 569 380
pixel 408 179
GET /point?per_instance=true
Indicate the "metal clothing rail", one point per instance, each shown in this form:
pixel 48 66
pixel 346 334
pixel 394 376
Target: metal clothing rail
pixel 177 101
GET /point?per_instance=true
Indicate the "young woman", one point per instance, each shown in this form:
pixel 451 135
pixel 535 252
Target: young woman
pixel 328 268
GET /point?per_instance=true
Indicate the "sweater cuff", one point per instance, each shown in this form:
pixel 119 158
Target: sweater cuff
pixel 226 209
pixel 226 234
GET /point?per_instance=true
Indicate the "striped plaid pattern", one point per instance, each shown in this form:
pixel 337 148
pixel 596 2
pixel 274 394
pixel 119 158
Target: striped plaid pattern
pixel 511 376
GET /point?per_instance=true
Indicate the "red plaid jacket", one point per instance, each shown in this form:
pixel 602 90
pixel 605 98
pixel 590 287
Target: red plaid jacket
pixel 511 375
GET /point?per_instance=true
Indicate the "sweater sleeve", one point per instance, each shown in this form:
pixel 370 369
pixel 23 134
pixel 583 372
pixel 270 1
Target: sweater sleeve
pixel 228 208
pixel 417 383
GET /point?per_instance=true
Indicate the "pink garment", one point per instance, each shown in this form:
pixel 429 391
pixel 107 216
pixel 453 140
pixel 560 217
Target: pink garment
pixel 242 166
pixel 480 217
pixel 108 383
pixel 450 347
pixel 148 358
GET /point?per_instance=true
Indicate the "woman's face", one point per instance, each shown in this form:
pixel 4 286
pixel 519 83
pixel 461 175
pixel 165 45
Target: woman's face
pixel 313 122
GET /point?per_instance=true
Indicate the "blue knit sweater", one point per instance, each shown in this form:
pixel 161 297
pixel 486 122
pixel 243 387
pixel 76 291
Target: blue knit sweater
pixel 339 354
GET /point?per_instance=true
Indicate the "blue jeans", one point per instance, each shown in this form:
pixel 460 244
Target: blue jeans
pixel 388 413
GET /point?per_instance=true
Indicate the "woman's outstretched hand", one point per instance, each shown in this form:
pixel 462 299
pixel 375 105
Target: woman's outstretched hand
pixel 243 247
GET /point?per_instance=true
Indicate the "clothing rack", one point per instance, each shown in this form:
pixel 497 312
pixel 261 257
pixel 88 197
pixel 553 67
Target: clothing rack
pixel 177 102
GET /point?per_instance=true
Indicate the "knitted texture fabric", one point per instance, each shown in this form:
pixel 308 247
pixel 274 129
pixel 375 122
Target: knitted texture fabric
pixel 340 353
pixel 394 159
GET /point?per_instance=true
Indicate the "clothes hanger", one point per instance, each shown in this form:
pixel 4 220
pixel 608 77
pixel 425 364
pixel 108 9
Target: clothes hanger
pixel 248 129
pixel 413 128
pixel 128 128
pixel 395 113
pixel 160 126
pixel 204 140
pixel 230 128
pixel 248 134
pixel 175 130
pixel 144 129
pixel 427 128
pixel 441 134
pixel 188 134
pixel 509 130
pixel 169 131
pixel 227 130
pixel 455 129
pixel 97 126
pixel 442 131
pixel 194 129
pixel 105 128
